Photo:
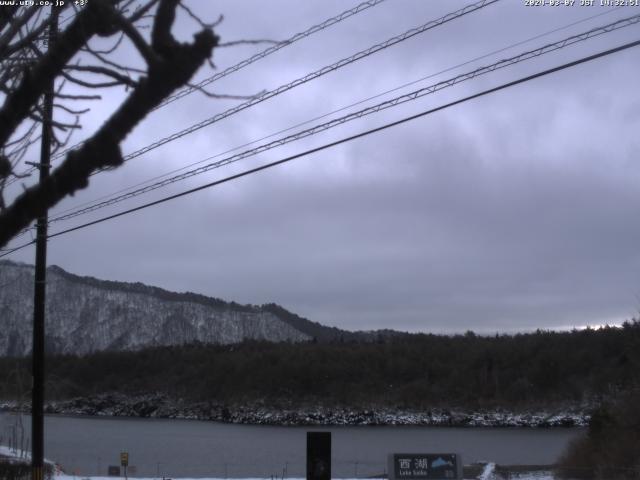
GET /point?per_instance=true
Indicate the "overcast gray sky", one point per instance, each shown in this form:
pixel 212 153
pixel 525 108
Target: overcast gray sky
pixel 511 212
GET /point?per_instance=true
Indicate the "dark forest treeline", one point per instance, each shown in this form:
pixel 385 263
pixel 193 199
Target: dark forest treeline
pixel 611 447
pixel 419 371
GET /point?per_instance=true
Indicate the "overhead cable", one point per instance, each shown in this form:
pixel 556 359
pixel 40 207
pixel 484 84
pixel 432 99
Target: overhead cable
pixel 246 62
pixel 272 49
pixel 339 142
pixel 399 100
pixel 341 109
pixel 307 78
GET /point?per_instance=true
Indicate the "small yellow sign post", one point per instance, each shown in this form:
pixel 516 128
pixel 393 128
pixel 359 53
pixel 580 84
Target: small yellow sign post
pixel 124 461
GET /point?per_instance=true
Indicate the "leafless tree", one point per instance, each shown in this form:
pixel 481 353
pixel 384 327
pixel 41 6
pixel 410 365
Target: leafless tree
pixel 82 63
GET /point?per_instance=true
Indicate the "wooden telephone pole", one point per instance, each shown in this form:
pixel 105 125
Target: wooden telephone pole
pixel 37 369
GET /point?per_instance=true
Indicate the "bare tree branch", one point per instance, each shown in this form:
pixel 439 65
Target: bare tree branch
pixel 23 42
pixel 235 43
pixel 100 56
pixel 15 25
pixel 21 138
pixel 141 45
pixel 199 20
pixel 6 14
pixel 111 49
pixel 142 11
pixel 175 66
pixel 19 102
pixel 70 110
pixel 78 97
pixel 86 84
pixel 99 70
pixel 161 40
pixel 225 96
pixel 39 117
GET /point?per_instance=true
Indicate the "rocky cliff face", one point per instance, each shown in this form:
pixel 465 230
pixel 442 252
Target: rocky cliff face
pixel 86 315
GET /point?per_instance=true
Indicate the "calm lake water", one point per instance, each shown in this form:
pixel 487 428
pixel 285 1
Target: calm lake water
pixel 180 448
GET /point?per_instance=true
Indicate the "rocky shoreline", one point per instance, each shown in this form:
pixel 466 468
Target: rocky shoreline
pixel 161 406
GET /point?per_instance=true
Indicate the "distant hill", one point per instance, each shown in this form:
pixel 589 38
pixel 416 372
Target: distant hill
pixel 540 371
pixel 85 314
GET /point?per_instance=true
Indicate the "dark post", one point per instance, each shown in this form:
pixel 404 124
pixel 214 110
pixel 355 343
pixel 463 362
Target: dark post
pixel 318 455
pixel 37 393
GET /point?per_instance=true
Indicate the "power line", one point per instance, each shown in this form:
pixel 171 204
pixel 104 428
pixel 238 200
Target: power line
pixel 343 140
pixel 318 73
pixel 408 97
pixel 248 61
pixel 307 78
pixel 386 92
pixel 274 48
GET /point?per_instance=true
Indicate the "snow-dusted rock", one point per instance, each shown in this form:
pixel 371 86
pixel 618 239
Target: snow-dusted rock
pixel 161 406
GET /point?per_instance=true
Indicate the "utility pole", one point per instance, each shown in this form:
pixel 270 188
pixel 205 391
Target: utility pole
pixel 37 368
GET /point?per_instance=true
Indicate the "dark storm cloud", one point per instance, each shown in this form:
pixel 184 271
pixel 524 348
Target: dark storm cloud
pixel 512 212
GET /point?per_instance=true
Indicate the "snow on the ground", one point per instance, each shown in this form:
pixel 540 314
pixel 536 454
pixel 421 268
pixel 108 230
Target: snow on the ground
pixel 14 454
pixel 532 476
pixel 487 473
pixel 81 477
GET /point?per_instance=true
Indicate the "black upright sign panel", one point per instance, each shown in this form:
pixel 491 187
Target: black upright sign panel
pixel 318 455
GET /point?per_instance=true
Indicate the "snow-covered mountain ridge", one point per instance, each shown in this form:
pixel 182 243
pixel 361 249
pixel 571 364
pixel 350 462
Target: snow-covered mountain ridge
pixel 84 315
